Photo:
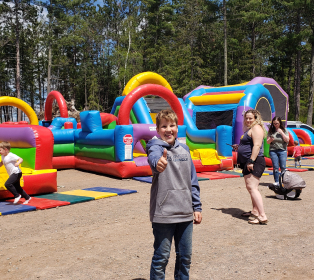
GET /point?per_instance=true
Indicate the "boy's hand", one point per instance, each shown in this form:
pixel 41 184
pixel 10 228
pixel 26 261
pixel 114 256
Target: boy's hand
pixel 162 162
pixel 197 217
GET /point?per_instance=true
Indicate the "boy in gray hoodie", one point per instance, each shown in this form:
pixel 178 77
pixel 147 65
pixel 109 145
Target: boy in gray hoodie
pixel 174 198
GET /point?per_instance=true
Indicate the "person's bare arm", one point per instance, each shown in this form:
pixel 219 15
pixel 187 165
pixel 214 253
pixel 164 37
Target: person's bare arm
pixel 270 139
pixel 19 161
pixel 258 137
pixel 284 136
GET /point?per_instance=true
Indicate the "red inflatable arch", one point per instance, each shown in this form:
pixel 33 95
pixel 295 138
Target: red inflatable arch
pixel 303 135
pixel 55 95
pixel 149 89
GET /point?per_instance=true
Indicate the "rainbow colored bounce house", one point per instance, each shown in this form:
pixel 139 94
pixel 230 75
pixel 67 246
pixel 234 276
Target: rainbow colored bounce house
pixel 210 107
pixel 209 118
pixel 114 143
pixel 302 133
pixel 35 145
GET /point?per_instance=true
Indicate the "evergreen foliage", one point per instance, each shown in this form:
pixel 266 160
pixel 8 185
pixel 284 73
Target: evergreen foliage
pixel 89 52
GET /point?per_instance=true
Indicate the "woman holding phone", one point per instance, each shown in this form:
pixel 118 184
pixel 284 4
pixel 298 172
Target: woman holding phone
pixel 278 138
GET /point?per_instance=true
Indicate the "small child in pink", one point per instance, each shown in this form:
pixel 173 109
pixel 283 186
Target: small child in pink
pixel 297 154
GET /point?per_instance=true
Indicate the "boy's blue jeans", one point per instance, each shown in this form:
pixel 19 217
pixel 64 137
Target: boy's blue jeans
pixel 278 158
pixel 163 233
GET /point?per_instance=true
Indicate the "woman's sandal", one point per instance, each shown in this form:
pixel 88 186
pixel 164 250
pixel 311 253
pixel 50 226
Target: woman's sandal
pixel 258 221
pixel 249 215
pixel 252 217
pixel 246 214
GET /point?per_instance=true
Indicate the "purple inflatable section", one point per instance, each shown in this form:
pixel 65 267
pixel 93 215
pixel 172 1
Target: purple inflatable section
pixel 144 131
pixel 185 96
pixel 263 80
pixel 19 137
pixel 141 161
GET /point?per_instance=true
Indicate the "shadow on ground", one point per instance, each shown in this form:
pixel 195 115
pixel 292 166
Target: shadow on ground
pixel 234 212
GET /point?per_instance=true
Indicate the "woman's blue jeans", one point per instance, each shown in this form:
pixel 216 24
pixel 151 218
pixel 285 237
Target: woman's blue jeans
pixel 279 159
pixel 182 234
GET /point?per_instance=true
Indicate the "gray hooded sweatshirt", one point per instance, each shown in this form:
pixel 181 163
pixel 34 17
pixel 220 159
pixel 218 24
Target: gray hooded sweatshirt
pixel 175 193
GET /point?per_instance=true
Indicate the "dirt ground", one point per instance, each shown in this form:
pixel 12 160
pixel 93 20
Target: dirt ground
pixel 111 238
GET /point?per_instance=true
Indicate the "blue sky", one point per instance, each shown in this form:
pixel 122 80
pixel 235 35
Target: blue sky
pixel 100 2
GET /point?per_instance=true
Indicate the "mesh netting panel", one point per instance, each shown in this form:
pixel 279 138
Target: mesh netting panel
pixel 210 120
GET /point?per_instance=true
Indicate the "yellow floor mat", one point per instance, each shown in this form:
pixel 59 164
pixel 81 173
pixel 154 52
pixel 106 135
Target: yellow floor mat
pixel 96 195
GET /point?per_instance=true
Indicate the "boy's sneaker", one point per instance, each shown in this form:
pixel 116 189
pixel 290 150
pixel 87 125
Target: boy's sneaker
pixel 16 200
pixel 26 201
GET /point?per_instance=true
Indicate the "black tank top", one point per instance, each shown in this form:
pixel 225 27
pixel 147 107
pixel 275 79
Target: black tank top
pixel 245 149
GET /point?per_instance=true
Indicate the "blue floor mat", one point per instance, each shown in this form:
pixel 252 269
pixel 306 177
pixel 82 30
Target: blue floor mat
pixel 147 179
pixel 111 190
pixel 7 208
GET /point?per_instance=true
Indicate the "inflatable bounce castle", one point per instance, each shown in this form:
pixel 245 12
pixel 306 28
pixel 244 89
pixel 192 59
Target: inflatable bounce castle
pixel 209 118
pixel 34 144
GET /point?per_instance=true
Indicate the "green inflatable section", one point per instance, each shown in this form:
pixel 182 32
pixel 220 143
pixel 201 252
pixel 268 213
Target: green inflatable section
pixel 27 154
pixel 101 152
pixel 111 125
pixel 63 149
pixel 194 145
pixel 266 148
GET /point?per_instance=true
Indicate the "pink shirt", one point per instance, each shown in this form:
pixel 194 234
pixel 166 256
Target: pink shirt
pixel 297 151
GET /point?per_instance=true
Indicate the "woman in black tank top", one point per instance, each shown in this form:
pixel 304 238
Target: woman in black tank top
pixel 251 160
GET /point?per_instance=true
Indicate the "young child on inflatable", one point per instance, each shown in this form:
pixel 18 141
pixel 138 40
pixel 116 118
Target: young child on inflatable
pixel 11 163
pixel 297 154
pixel 174 198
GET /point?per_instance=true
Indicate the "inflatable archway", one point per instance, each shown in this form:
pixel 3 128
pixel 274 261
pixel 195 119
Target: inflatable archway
pixel 18 103
pixel 55 95
pixel 149 89
pixel 145 78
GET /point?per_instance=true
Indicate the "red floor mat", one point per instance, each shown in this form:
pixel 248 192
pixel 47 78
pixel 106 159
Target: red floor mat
pixel 43 203
pixel 292 169
pixel 216 176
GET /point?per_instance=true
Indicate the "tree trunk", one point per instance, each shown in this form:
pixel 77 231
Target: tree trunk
pixel 39 88
pixel 49 53
pixel 225 45
pixel 127 55
pixel 17 45
pixel 310 107
pixel 253 50
pixel 86 101
pixel 297 80
pixel 49 69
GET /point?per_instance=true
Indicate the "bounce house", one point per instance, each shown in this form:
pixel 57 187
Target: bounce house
pixel 114 144
pixel 34 144
pixel 302 133
pixel 209 118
